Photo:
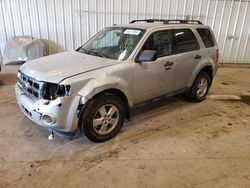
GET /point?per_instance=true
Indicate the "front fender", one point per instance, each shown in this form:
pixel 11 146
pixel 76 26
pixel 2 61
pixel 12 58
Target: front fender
pixel 94 86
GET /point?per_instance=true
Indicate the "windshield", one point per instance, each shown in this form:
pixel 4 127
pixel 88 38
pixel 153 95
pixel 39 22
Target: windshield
pixel 113 42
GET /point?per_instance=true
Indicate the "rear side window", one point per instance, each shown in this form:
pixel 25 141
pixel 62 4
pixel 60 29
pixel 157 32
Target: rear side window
pixel 206 37
pixel 185 41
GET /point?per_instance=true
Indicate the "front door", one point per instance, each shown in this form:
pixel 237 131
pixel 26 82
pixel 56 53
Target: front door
pixel 155 78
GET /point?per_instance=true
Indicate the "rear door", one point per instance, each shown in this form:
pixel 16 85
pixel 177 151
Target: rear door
pixel 187 50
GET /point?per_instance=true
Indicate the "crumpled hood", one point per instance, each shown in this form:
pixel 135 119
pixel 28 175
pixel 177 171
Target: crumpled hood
pixel 55 68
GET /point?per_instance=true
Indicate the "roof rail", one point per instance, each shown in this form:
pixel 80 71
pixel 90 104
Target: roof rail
pixel 168 21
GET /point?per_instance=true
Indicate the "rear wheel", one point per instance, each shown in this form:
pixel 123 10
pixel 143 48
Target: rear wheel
pixel 200 87
pixel 102 117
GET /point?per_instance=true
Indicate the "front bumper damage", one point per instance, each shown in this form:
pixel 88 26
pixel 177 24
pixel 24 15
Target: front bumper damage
pixel 59 115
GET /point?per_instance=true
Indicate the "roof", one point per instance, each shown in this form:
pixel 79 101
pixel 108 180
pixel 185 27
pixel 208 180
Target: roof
pixel 151 23
pixel 141 25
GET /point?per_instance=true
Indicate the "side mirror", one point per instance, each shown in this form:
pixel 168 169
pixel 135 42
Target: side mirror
pixel 147 55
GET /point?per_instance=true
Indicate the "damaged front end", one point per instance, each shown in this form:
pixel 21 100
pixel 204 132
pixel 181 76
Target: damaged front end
pixel 48 104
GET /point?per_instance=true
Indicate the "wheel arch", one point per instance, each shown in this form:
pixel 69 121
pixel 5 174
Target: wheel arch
pixel 207 68
pixel 122 96
pixel 115 92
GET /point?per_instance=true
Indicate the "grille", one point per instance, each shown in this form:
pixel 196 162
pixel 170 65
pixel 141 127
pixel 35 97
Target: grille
pixel 30 86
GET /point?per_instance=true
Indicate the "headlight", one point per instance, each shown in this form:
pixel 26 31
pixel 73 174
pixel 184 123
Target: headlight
pixel 18 75
pixel 51 91
pixel 63 90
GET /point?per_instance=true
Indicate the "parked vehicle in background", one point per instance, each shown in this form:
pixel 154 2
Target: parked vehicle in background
pixel 93 88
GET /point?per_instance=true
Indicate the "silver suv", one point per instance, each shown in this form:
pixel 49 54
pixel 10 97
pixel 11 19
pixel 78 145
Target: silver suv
pixel 93 88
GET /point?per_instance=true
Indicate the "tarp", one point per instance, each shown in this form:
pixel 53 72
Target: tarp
pixel 22 49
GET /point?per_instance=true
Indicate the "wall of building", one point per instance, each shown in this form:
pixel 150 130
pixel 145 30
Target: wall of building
pixel 68 24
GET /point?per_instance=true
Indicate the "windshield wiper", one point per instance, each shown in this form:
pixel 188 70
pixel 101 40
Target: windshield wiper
pixel 97 54
pixel 83 50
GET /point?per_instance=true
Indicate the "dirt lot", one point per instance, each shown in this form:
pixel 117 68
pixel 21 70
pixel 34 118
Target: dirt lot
pixel 168 143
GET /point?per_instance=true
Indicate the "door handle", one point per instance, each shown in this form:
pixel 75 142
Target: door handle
pixel 197 57
pixel 168 63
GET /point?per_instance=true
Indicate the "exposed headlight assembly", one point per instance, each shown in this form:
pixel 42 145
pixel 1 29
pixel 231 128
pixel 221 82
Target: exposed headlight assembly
pixel 19 75
pixel 51 91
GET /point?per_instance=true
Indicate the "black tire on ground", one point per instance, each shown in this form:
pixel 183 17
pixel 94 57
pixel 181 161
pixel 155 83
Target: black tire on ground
pixel 193 92
pixel 93 112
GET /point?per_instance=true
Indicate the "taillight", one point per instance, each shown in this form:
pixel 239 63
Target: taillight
pixel 217 56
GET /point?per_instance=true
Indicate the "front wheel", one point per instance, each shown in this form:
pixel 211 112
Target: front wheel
pixel 200 87
pixel 102 117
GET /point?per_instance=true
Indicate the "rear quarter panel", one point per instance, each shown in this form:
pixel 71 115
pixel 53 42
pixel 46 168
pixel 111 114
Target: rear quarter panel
pixel 208 55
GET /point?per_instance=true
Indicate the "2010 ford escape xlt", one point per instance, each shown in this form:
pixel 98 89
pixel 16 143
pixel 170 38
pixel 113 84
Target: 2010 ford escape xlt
pixel 93 88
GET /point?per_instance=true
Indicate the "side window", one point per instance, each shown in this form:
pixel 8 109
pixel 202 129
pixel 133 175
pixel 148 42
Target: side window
pixel 206 37
pixel 160 41
pixel 185 41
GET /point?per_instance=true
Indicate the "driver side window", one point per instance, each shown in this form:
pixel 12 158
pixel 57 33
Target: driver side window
pixel 161 42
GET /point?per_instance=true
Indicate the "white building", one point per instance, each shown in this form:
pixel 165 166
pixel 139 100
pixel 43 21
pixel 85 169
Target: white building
pixel 69 23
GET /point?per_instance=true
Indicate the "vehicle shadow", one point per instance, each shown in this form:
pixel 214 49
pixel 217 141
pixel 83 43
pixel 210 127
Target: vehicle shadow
pixel 243 98
pixel 158 106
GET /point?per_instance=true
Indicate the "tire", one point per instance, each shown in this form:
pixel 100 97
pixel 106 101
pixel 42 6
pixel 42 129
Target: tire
pixel 102 117
pixel 200 87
